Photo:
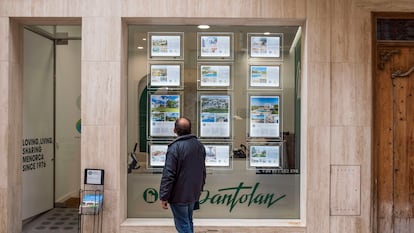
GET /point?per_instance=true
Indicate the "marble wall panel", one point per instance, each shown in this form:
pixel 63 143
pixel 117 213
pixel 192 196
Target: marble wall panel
pixel 364 92
pixel 347 224
pixel 101 93
pixel 109 8
pixel 157 8
pixel 15 42
pixel 4 133
pixel 374 5
pixel 18 8
pixel 360 40
pixel 100 150
pixel 4 39
pixel 4 90
pixel 215 8
pixel 351 94
pixel 350 145
pixel 14 211
pixel 318 179
pixel 343 94
pixel 111 211
pixel 318 39
pixel 101 39
pixel 52 8
pixel 3 209
pixel 318 97
pixel 15 122
pixel 351 33
pixel 40 8
pixel 294 9
pixel 317 9
pixel 403 5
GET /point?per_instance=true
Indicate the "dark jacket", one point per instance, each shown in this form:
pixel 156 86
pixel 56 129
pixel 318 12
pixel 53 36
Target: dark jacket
pixel 184 173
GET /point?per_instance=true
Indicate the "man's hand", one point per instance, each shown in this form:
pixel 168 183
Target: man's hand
pixel 164 204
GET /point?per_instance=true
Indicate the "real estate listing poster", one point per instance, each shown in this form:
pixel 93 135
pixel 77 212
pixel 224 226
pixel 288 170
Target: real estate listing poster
pixel 215 46
pixel 264 156
pixel 165 75
pixel 217 155
pixel 157 155
pixel 264 116
pixel 265 46
pixel 215 116
pixel 165 109
pixel 165 45
pixel 264 76
pixel 215 75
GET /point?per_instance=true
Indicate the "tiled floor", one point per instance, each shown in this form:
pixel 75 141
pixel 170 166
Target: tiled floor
pixel 57 220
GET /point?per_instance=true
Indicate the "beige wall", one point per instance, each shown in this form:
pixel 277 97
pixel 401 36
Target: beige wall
pixel 336 96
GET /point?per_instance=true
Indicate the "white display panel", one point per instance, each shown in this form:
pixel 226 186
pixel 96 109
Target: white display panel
pixel 214 116
pixel 266 76
pixel 264 156
pixel 165 75
pixel 214 75
pixel 264 116
pixel 217 155
pixel 215 45
pixel 164 111
pixel 265 46
pixel 165 45
pixel 157 153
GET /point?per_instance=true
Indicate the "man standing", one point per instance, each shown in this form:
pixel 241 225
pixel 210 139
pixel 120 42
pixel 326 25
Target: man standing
pixel 183 176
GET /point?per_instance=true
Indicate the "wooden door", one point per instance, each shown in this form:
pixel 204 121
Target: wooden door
pixel 394 139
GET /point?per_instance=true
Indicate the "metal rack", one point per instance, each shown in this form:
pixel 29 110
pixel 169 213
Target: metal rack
pixel 91 202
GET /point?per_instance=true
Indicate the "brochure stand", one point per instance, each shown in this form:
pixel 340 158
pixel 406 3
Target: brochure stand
pixel 91 201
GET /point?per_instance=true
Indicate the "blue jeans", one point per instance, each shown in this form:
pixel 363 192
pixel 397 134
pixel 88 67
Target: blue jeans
pixel 183 217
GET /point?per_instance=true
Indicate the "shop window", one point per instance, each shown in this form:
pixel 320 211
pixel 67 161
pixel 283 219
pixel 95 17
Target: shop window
pixel 240 87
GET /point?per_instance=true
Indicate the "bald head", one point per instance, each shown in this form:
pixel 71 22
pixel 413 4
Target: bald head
pixel 182 126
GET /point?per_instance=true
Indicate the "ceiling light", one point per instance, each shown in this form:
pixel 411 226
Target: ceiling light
pixel 203 26
pixel 144 38
pixel 266 33
pixel 140 47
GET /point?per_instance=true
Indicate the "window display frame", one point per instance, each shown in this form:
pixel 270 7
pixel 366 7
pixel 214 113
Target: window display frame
pixel 269 53
pixel 178 54
pixel 209 56
pixel 179 86
pixel 250 124
pixel 278 79
pixel 223 181
pixel 229 165
pixel 150 122
pixel 200 82
pixel 278 159
pixel 200 117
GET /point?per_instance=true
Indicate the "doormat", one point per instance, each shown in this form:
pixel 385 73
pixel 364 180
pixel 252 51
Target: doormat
pixel 72 202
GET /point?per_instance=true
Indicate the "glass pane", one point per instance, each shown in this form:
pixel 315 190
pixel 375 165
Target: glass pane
pixel 247 118
pixel 395 29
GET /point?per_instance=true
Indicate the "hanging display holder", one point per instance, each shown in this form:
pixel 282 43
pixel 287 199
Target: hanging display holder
pixel 91 201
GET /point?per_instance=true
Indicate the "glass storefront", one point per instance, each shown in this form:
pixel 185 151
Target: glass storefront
pixel 239 85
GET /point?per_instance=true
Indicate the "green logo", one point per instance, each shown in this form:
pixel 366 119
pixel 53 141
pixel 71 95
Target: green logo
pixel 241 194
pixel 230 196
pixel 150 195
